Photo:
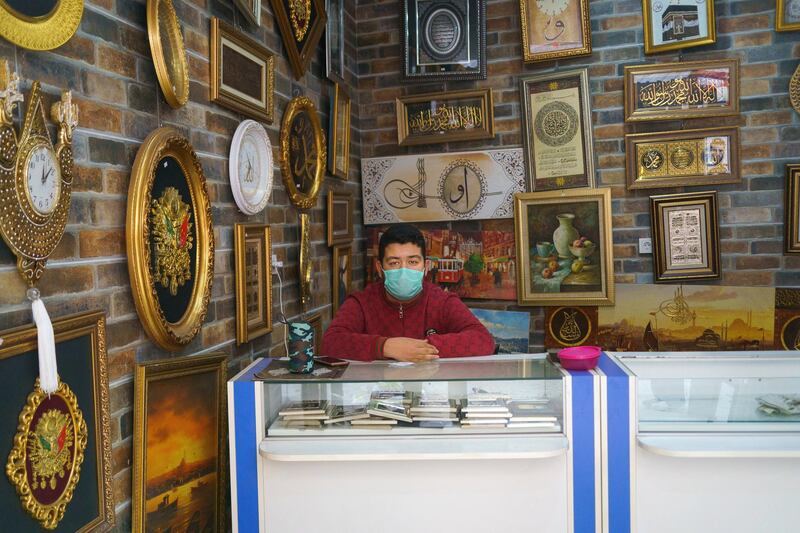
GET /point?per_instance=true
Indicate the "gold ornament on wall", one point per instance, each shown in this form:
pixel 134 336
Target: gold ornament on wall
pixel 172 239
pixel 41 25
pixel 169 52
pixel 303 152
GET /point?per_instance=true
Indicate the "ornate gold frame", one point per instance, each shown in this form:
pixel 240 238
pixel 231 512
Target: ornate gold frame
pixel 41 33
pixel 219 94
pixel 161 143
pixel 484 132
pixel 780 11
pixel 338 251
pixel 586 30
pixel 791 206
pixel 305 264
pixel 299 59
pixel 173 71
pixel 23 339
pixel 162 370
pixel 246 332
pixel 302 104
pixel 650 48
pixel 334 197
pixel 339 94
pixel 525 201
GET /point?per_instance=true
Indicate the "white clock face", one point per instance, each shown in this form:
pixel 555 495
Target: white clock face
pixel 251 175
pixel 251 167
pixel 43 179
pixel 552 7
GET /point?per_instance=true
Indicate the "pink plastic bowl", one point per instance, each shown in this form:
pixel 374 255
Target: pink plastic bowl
pixel 580 357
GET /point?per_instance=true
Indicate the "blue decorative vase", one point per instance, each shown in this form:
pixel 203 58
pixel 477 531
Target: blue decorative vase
pixel 301 347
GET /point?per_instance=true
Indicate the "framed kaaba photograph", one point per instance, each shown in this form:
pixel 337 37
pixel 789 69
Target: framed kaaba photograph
pixel 791 206
pixel 242 74
pixel 59 473
pixel 685 236
pixel 339 134
pixel 179 444
pixel 169 239
pixel 253 266
pixel 677 24
pixel 787 15
pixel 445 117
pixel 685 89
pixel 301 24
pixel 555 29
pixel 564 247
pixel 444 39
pixel 340 218
pixel 557 126
pixel 707 156
pixel 334 40
pixel 342 274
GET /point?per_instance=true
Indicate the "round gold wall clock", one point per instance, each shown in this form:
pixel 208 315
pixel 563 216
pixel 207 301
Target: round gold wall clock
pixel 303 153
pixel 39 25
pixel 169 239
pixel 169 54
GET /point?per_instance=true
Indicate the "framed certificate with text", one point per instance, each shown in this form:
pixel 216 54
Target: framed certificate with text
pixel 557 129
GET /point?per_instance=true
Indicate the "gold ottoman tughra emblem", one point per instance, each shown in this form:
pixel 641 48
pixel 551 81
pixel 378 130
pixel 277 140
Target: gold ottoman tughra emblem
pixel 172 237
pixel 300 13
pixel 49 446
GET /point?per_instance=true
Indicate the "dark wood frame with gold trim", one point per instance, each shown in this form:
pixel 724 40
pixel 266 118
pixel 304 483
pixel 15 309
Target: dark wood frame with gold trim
pixel 486 131
pixel 338 251
pixel 161 370
pixel 307 200
pixel 791 206
pixel 161 143
pixel 632 158
pixel 299 59
pixel 650 48
pixel 172 72
pixel 339 96
pixel 334 198
pixel 92 324
pixel 710 233
pixel 43 32
pixel 245 331
pixel 264 111
pixel 586 32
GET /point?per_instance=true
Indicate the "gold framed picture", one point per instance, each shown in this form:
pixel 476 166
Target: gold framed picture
pixel 677 24
pixel 242 72
pixel 339 153
pixel 557 126
pixel 791 238
pixel 316 324
pixel 787 15
pixel 40 25
pixel 168 50
pixel 303 152
pixel 253 263
pixel 691 89
pixel 301 24
pixel 685 236
pixel 169 239
pixel 707 156
pixel 342 274
pixel 179 438
pixel 564 247
pixel 445 117
pixel 554 29
pixel 340 218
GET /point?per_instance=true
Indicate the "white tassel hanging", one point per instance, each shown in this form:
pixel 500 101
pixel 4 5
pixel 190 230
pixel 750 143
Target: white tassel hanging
pixel 48 368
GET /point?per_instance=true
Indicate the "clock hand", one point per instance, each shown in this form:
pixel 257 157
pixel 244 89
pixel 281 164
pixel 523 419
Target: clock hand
pixel 44 176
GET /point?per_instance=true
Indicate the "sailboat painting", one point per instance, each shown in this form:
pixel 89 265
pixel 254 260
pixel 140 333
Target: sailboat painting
pixel 688 318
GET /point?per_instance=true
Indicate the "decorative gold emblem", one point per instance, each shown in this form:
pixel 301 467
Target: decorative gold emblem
pixel 45 463
pixel 168 51
pixel 26 25
pixel 300 15
pixel 172 239
pixel 569 326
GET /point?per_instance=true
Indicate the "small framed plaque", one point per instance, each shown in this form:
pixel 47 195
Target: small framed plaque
pixel 445 117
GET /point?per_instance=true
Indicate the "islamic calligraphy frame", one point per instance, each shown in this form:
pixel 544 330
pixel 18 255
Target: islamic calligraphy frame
pixel 634 113
pixel 651 48
pixel 705 201
pixel 300 51
pixel 527 7
pixel 301 105
pixel 636 180
pixel 780 15
pixel 339 119
pixel 249 330
pixel 791 238
pixel 406 137
pixel 340 205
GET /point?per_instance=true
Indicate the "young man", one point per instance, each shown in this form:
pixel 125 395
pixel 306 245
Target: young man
pixel 404 317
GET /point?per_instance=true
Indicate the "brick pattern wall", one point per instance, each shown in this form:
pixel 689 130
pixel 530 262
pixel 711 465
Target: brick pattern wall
pixel 750 213
pixel 108 66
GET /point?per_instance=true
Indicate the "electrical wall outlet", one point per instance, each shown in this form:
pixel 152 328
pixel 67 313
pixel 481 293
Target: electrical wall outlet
pixel 646 246
pixel 275 262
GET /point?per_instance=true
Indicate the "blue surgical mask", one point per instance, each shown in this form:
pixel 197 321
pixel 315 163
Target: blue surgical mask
pixel 403 283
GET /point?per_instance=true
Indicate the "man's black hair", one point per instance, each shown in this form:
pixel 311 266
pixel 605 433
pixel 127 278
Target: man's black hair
pixel 401 234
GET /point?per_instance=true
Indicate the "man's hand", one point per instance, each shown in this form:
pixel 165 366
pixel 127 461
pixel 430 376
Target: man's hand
pixel 410 350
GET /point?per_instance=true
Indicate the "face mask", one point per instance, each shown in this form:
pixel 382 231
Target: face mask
pixel 403 283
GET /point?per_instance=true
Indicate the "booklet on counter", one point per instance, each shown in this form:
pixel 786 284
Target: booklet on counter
pixel 304 407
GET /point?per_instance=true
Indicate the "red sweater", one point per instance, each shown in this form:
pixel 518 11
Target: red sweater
pixel 367 318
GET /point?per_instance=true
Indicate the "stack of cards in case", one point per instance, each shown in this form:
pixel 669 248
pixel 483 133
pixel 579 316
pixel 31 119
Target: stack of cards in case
pixel 435 411
pixel 347 413
pixel 389 410
pixel 306 413
pixel 484 412
pixel 373 422
pixel 392 396
pixel 531 414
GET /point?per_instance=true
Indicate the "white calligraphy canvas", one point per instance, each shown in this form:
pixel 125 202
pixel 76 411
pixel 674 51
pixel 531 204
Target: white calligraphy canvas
pixel 448 186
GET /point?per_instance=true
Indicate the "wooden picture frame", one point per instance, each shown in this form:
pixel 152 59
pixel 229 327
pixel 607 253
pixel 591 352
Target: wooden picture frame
pixel 564 247
pixel 26 25
pixel 543 39
pixel 342 275
pixel 301 30
pixel 557 130
pixel 316 324
pixel 791 206
pixel 454 45
pixel 340 218
pixel 445 117
pixel 650 90
pixel 253 264
pixel 248 84
pixel 80 342
pixel 179 443
pixel 251 9
pixel 681 24
pixel 685 236
pixel 339 135
pixel 787 20
pixel 681 158
pixel 334 40
pixel 169 239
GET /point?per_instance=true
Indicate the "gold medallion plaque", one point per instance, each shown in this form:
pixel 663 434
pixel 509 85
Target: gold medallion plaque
pixel 41 25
